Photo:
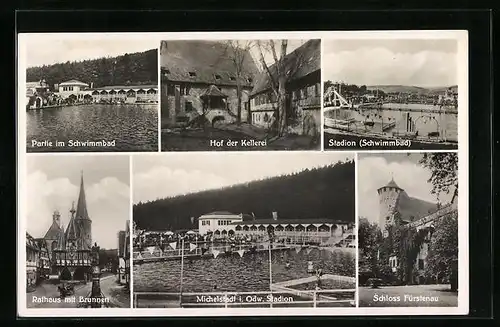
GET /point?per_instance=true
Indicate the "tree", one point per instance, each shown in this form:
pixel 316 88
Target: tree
pixel 443 248
pixel 282 71
pixel 238 51
pixel 444 168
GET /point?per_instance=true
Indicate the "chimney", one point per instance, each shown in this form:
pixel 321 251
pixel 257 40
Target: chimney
pixel 91 85
pixel 275 215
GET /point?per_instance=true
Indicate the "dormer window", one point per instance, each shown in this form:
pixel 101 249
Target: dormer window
pixel 192 74
pixel 166 71
pixel 217 77
pixel 250 80
pixel 232 78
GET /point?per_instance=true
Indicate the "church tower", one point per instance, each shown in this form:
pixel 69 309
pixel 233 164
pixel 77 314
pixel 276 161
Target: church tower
pixel 388 197
pixel 79 231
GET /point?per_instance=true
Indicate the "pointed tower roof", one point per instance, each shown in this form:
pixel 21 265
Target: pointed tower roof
pixel 81 207
pixel 55 229
pixel 70 233
pixel 391 184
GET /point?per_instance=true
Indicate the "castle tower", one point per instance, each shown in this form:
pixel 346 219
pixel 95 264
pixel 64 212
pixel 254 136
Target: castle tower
pixel 79 228
pixel 388 196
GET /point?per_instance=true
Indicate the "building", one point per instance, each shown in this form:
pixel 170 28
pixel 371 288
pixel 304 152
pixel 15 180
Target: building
pixel 398 208
pixel 124 255
pixel 72 89
pixel 218 223
pixel 223 224
pixel 324 231
pixel 69 250
pixel 123 94
pixel 36 94
pixel 200 77
pixel 32 260
pixel 303 92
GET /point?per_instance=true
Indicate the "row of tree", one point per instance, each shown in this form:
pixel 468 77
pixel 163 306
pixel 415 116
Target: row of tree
pixel 128 69
pixel 326 192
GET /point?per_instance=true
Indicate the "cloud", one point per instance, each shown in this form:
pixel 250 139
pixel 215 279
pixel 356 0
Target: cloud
pixel 162 181
pixel 374 172
pixel 380 66
pixel 107 203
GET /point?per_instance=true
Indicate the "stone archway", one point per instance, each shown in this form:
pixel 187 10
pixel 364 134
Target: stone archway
pixel 80 274
pixel 217 119
pixel 65 274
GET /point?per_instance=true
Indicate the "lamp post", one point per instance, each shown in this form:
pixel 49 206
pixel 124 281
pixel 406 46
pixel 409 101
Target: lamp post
pixel 95 293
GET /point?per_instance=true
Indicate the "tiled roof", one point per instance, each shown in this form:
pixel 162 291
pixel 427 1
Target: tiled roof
pixel 73 82
pixel 412 209
pixel 298 63
pixel 126 87
pixel 207 62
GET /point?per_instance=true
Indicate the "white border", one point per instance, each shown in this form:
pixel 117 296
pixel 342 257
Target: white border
pixel 462 66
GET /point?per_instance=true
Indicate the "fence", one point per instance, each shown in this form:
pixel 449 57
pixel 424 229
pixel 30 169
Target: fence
pixel 318 298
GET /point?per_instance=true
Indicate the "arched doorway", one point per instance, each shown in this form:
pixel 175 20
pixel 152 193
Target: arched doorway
pixel 80 274
pixel 65 274
pixel 38 102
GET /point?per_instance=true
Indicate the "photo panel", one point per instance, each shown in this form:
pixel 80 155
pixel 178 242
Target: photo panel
pixel 408 230
pixel 78 232
pixel 391 93
pixel 277 232
pixel 240 95
pixel 90 93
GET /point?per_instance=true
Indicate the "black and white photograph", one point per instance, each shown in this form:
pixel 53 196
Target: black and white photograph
pixel 387 94
pixel 264 230
pixel 91 94
pixel 78 232
pixel 408 229
pixel 240 95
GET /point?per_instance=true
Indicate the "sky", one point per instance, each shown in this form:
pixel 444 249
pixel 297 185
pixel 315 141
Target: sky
pixel 71 48
pixel 47 50
pixel 268 57
pixel 415 62
pixel 53 183
pixel 157 177
pixel 377 169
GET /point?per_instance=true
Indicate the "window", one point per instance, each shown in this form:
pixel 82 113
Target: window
pixel 232 78
pixel 305 92
pixel 192 74
pixel 249 80
pixel 420 263
pixel 217 77
pixel 317 89
pixel 188 89
pixel 166 71
pixel 189 106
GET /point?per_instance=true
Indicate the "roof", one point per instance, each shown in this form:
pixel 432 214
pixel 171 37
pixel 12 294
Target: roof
pixel 210 61
pixel 301 62
pixel 391 183
pixel 412 209
pixel 36 84
pixel 31 242
pixel 213 91
pixel 290 221
pixel 73 82
pixel 220 213
pixel 54 232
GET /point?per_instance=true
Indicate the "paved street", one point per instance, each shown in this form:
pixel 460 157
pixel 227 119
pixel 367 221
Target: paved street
pixel 408 296
pixel 47 295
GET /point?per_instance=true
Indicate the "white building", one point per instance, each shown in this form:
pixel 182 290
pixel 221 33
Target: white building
pixel 220 223
pixel 73 88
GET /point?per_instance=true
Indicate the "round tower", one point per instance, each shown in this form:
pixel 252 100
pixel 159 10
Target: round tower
pixel 388 196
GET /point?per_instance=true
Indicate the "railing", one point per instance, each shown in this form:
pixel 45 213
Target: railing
pixel 258 298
